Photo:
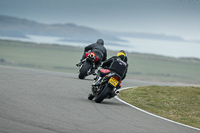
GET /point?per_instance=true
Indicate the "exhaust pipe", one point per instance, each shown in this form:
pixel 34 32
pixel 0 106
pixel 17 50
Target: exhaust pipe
pixel 117 92
pixel 92 56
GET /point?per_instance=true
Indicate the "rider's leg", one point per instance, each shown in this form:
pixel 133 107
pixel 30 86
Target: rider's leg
pixel 97 64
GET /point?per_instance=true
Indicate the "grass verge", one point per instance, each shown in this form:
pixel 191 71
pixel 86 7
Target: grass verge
pixel 180 104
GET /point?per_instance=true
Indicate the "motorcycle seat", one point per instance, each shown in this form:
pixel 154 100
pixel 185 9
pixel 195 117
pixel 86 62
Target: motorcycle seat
pixel 104 72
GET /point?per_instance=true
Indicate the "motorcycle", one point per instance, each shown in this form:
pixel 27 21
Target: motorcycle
pixel 88 65
pixel 105 85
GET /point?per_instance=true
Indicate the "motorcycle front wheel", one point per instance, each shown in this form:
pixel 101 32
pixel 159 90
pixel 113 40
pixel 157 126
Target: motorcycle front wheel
pixel 103 94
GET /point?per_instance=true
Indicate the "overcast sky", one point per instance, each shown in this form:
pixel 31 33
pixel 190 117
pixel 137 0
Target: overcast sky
pixel 170 17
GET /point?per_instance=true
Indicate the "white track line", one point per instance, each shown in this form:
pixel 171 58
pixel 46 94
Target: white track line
pixel 151 113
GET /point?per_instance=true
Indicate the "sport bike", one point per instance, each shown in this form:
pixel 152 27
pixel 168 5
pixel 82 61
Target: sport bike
pixel 105 85
pixel 87 66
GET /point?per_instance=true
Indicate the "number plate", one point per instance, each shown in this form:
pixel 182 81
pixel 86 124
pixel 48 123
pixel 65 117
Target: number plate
pixel 113 81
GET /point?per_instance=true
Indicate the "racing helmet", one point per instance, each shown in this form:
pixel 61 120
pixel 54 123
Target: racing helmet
pixel 100 41
pixel 121 52
pixel 122 55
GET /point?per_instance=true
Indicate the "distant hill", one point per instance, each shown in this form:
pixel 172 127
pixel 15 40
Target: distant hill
pixel 16 27
pixel 151 36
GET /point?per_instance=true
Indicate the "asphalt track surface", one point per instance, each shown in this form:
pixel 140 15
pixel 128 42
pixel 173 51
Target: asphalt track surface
pixel 36 101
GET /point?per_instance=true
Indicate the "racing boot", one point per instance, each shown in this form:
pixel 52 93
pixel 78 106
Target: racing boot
pixel 90 96
pixel 80 63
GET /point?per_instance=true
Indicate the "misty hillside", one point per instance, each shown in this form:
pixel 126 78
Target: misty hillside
pixel 16 27
pixel 151 36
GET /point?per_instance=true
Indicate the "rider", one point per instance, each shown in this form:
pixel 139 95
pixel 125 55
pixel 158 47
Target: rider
pixel 99 50
pixel 117 64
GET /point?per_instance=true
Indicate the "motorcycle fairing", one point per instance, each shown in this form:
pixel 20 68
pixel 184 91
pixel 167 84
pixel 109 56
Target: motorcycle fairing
pixel 96 58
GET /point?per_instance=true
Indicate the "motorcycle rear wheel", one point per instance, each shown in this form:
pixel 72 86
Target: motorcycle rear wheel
pixel 83 71
pixel 104 93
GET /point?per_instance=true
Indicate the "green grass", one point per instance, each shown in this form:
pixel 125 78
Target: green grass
pixel 181 104
pixel 40 56
pixel 63 58
pixel 165 69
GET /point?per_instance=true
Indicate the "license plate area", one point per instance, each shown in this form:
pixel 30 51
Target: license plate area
pixel 113 81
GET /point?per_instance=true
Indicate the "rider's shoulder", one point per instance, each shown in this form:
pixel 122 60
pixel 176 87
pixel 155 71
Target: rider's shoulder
pixel 113 57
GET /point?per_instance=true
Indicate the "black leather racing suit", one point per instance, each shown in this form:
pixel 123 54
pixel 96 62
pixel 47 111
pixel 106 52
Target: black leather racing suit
pixel 99 50
pixel 117 65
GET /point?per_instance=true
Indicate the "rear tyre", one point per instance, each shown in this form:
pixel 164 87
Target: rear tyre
pixel 104 93
pixel 83 71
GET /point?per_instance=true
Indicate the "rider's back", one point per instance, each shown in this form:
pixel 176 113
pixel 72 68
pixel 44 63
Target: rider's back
pixel 98 48
pixel 116 65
